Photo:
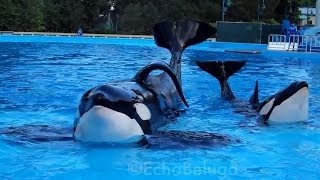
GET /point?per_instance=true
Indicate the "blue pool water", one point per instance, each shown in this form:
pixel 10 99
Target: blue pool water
pixel 42 82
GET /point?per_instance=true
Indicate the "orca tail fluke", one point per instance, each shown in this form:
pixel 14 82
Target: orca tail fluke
pixel 254 100
pixel 178 35
pixel 222 71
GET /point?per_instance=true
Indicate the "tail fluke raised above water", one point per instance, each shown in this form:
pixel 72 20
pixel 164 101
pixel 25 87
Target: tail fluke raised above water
pixel 178 35
pixel 222 71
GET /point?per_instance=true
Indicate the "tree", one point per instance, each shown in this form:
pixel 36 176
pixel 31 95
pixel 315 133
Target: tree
pixel 308 3
pixel 139 17
pixel 19 15
pixel 243 10
pixel 7 15
pixel 52 15
pixel 288 9
pixel 246 10
pixel 135 16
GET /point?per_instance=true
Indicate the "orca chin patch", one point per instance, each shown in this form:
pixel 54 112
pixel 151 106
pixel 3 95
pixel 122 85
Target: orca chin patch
pixel 293 109
pixel 101 124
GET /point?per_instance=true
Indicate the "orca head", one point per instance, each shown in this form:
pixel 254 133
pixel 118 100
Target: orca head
pixel 111 114
pixel 287 106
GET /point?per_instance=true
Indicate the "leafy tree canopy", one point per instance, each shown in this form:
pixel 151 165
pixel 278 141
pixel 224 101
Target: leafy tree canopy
pixel 136 16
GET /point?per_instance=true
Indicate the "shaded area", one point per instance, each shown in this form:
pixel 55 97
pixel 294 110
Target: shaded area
pixel 189 139
pixel 37 133
pixel 163 139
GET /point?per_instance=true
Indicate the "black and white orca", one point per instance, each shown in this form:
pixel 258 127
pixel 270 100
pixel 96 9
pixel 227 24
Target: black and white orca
pixel 132 111
pixel 127 111
pixel 288 105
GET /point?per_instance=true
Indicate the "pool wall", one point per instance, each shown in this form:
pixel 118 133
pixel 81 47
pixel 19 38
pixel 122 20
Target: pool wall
pixel 207 46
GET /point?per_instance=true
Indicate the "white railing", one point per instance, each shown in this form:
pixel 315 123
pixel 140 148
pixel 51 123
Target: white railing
pixel 298 43
pixel 301 43
pixel 277 42
pixel 315 44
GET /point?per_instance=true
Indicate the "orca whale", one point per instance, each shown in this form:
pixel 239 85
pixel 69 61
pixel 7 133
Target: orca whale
pixel 287 106
pixel 132 111
pixel 127 111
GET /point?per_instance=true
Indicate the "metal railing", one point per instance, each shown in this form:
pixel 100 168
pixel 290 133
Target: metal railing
pixel 277 42
pixel 315 44
pixel 298 43
pixel 301 43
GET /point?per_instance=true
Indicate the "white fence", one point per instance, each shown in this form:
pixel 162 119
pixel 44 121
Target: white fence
pixel 301 43
pixel 315 44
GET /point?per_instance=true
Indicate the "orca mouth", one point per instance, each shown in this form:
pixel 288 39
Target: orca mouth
pixel 104 125
pixel 121 102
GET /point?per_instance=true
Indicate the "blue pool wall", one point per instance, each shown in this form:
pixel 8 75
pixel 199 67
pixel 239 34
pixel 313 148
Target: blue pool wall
pixel 207 45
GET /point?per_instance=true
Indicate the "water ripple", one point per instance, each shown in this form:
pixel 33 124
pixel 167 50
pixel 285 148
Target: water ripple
pixel 41 83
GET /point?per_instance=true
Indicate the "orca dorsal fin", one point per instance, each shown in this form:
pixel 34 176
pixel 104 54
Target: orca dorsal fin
pixel 143 74
pixel 254 100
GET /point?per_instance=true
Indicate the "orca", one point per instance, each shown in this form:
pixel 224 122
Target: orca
pixel 131 112
pixel 287 106
pixel 127 111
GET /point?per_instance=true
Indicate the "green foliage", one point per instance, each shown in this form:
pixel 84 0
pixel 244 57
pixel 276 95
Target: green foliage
pixel 273 21
pixel 310 3
pixel 243 10
pixel 288 9
pixel 139 17
pixel 274 11
pixel 20 15
pixel 7 15
pixel 135 16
